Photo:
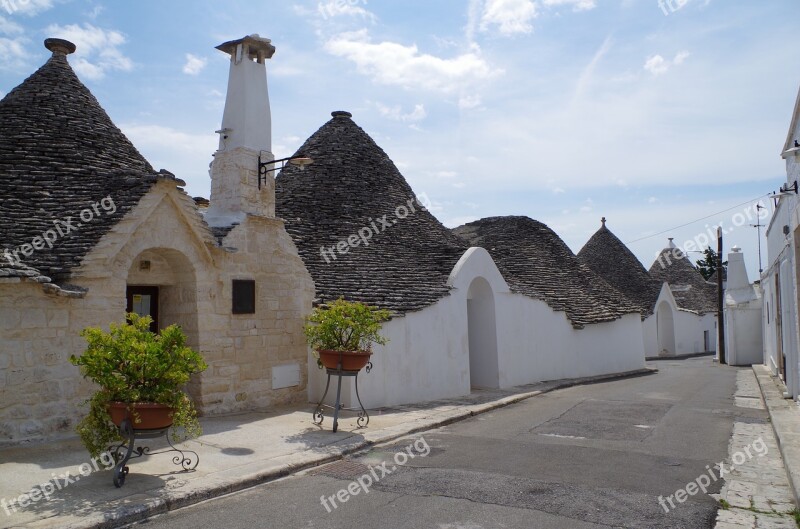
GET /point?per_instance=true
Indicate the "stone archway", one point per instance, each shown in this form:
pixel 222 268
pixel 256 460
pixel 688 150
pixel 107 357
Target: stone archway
pixel 168 276
pixel 482 333
pixel 665 321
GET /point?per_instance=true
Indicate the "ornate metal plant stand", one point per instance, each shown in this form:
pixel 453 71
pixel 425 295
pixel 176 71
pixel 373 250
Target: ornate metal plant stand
pixel 125 451
pixel 363 416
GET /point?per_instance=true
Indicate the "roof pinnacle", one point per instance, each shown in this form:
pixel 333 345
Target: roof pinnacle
pixel 59 46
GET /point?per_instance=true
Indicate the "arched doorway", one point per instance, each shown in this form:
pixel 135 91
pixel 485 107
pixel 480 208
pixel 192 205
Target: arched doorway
pixel 665 321
pixel 482 332
pixel 161 282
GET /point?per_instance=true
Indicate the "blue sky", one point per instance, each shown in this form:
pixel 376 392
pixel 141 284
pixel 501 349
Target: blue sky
pixel 650 114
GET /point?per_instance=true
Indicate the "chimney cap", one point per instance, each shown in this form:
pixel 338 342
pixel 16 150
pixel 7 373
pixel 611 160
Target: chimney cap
pixel 341 114
pixel 59 46
pixel 255 44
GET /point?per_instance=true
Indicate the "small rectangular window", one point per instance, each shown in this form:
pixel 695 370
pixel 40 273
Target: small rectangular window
pixel 244 296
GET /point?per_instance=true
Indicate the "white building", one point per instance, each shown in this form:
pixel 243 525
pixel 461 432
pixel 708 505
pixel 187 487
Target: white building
pixel 495 303
pixel 743 315
pixel 676 303
pixel 779 279
pixel 238 289
pixel 502 302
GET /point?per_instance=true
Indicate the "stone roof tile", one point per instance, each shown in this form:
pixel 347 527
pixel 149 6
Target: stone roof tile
pixel 60 154
pixel 609 258
pixel 691 291
pixel 352 184
pixel 535 262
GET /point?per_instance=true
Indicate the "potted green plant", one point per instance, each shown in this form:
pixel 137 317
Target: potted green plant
pixel 341 333
pixel 141 376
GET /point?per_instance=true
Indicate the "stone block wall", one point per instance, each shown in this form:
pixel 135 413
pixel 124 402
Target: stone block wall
pixel 41 392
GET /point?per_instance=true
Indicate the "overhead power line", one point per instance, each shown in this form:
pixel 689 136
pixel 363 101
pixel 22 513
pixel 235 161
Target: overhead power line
pixel 698 220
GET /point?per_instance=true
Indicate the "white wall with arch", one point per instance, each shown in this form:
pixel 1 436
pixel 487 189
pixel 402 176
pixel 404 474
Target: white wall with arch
pixel 432 353
pixel 691 332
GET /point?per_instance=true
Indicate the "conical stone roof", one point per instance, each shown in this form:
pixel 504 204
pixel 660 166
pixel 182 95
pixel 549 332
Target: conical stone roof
pixel 609 258
pixel 535 262
pixel 60 154
pixel 691 291
pixel 354 193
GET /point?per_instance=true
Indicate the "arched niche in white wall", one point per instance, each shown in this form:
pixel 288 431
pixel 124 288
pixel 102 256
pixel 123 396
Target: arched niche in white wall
pixel 477 275
pixel 482 332
pixel 665 321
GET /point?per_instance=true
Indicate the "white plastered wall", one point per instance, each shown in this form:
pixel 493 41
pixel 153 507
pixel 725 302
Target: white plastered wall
pixel 427 357
pixel 690 328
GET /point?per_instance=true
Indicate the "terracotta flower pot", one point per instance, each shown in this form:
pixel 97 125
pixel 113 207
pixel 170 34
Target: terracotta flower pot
pixel 151 416
pixel 351 360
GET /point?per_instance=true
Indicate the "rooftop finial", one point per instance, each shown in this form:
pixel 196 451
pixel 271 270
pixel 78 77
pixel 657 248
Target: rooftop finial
pixel 59 46
pixel 671 242
pixel 341 114
pixel 603 220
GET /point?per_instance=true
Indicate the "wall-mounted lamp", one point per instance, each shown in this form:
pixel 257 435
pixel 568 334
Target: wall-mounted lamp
pixel 264 167
pixel 792 152
pixel 787 188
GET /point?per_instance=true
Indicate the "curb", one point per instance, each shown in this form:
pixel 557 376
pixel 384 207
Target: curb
pixel 177 500
pixel 680 357
pixel 785 419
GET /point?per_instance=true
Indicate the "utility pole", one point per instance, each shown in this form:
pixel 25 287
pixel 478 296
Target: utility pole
pixel 720 301
pixel 758 227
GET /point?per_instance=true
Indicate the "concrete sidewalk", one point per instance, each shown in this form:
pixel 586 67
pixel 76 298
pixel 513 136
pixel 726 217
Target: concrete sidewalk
pixel 785 418
pixel 235 452
pixel 756 493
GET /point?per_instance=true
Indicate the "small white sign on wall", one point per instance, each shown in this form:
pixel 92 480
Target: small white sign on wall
pixel 285 376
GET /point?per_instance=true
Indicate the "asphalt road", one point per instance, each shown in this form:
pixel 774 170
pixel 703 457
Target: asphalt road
pixel 585 457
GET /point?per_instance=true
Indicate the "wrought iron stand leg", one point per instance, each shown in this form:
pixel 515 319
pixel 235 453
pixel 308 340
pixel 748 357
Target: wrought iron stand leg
pixel 318 415
pixel 363 416
pixel 120 470
pixel 183 460
pixel 338 405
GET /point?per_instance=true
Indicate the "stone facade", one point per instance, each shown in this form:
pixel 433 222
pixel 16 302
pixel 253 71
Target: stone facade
pixel 41 392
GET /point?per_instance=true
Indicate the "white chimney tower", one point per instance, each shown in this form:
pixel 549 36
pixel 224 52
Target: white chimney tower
pixel 246 133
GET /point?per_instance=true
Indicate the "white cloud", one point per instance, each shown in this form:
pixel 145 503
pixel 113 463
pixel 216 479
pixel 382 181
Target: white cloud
pixel 194 64
pixel 8 27
pixel 577 5
pixel 390 63
pixel 658 65
pixel 95 12
pixel 588 72
pixel 680 57
pixel 396 113
pixel 466 102
pixel 509 16
pixel 97 49
pixel 183 153
pixel 26 7
pixel 12 53
pixel 335 8
pixel 512 17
